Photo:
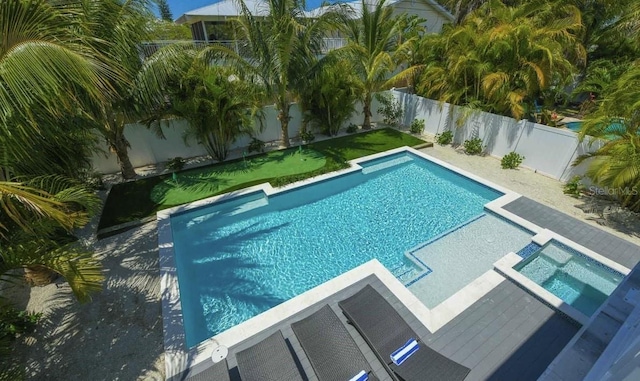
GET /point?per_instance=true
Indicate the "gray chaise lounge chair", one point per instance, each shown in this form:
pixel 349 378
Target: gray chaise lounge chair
pixel 269 360
pixel 330 348
pixel 385 331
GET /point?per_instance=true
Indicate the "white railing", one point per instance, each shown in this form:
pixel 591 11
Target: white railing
pixel 149 48
pixel 333 44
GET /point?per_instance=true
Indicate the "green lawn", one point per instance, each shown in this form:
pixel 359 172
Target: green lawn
pixel 135 200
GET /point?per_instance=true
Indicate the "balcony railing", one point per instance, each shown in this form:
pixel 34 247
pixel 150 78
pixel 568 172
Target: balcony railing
pixel 149 48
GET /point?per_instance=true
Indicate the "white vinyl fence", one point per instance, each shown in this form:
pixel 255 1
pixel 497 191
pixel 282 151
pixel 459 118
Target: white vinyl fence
pixel 147 148
pixel 550 151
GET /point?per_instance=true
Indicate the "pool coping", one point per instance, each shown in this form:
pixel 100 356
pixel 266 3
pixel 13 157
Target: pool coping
pixel 179 358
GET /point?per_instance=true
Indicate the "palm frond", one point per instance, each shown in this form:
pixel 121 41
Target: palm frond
pixel 79 268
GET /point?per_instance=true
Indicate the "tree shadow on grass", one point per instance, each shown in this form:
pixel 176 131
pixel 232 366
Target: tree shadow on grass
pixel 201 183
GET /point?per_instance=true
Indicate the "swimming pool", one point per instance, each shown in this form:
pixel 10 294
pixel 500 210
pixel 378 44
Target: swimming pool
pixel 578 280
pixel 238 258
pixel 574 126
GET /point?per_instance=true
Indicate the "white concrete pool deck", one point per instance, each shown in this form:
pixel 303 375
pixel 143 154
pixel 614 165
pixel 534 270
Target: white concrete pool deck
pixel 179 358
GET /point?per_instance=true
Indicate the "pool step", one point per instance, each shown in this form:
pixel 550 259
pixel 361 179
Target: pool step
pixel 406 272
pixel 386 164
pixel 249 205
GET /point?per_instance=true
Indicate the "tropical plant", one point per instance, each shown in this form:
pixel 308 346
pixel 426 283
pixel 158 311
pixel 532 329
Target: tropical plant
pixel 375 40
pixel 390 109
pixel 473 146
pixel 512 160
pixel 14 322
pixel 307 136
pixel 615 125
pixel 501 58
pixel 417 126
pixel 352 128
pixel 274 50
pixel 256 145
pixel 122 27
pixel 33 213
pixel 164 10
pixel 218 105
pixel 573 187
pixel 332 98
pixel 175 164
pixel 160 30
pixel 444 138
pixel 44 60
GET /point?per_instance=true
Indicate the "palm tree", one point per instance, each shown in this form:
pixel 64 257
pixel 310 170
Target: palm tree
pixel 616 125
pixel 165 10
pixel 117 30
pixel 501 58
pixel 374 42
pixel 32 211
pixel 218 105
pixel 332 96
pixel 269 47
pixel 44 61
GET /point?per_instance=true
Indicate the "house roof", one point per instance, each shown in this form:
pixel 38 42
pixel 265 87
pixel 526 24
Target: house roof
pixel 356 5
pixel 224 8
pixel 229 8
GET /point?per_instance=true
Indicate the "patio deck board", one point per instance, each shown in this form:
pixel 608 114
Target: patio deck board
pixel 600 241
pixel 514 316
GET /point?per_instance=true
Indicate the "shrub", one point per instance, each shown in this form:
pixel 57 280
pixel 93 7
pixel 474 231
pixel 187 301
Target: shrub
pixel 417 126
pixel 390 109
pixel 307 136
pixel 473 146
pixel 574 187
pixel 352 128
pixel 511 160
pixel 92 179
pixel 444 138
pixel 175 164
pixel 256 145
pixel 14 322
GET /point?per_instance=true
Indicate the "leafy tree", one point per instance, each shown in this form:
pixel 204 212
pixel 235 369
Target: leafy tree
pixel 44 61
pixel 160 30
pixel 165 10
pixel 332 97
pixel 122 27
pixel 616 125
pixel 271 47
pixel 375 42
pixel 501 58
pixel 218 105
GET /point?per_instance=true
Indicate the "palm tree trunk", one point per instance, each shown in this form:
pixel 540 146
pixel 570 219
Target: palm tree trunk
pixel 120 145
pixel 284 117
pixel 366 110
pixel 39 275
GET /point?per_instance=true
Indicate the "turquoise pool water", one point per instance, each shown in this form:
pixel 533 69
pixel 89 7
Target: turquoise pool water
pixel 239 258
pixel 579 281
pixel 574 126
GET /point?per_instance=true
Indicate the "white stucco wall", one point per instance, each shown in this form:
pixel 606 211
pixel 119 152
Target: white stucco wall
pixel 147 148
pixel 550 151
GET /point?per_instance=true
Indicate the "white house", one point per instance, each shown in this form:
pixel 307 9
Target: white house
pixel 210 23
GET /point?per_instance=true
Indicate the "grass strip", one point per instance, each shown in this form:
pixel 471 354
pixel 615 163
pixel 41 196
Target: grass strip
pixel 142 198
